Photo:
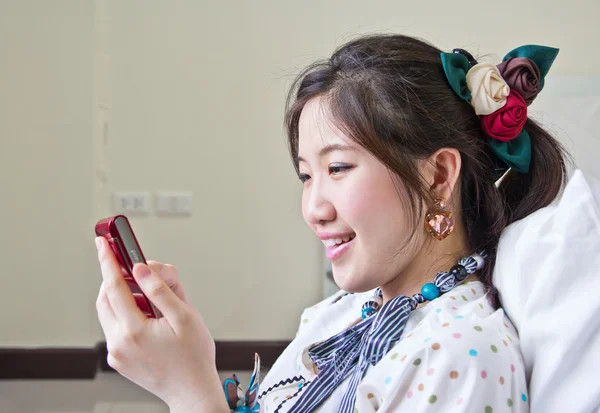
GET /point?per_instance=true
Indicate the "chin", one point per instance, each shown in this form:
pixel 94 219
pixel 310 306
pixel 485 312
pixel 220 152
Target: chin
pixel 352 282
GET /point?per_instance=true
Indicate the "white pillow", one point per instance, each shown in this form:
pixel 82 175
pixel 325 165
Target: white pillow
pixel 548 276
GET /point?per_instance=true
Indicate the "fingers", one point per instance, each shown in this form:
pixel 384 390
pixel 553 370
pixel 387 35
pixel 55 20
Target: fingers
pixel 170 305
pixel 118 293
pixel 156 266
pixel 169 275
pixel 163 272
pixel 106 315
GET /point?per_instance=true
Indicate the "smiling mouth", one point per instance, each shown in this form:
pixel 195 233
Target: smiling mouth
pixel 335 242
pixel 336 248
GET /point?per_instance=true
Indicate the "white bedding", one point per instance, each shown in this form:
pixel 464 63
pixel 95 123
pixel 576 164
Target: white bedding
pixel 548 274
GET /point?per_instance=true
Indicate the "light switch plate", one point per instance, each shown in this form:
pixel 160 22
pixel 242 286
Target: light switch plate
pixel 174 203
pixel 131 203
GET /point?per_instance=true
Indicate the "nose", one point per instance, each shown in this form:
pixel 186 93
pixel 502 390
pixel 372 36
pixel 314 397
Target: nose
pixel 317 207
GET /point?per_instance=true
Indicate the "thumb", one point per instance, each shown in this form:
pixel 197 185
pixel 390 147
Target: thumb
pixel 168 274
pixel 161 295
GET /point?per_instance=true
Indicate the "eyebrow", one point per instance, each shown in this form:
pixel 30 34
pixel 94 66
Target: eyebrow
pixel 327 150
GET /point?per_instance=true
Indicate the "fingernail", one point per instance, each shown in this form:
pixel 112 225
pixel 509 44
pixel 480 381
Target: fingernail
pixel 98 244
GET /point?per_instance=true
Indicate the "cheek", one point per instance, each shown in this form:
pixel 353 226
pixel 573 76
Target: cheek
pixel 382 220
pixel 376 204
pixel 304 202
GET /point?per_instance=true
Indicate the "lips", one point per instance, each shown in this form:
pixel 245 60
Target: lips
pixel 336 251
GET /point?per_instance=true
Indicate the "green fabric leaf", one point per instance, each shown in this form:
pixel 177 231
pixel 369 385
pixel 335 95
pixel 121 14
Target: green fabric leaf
pixel 516 153
pixel 456 67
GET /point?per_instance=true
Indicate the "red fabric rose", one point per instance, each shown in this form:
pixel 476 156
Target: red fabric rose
pixel 506 123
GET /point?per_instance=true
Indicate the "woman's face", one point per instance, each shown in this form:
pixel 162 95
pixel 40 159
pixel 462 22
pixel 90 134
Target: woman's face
pixel 350 201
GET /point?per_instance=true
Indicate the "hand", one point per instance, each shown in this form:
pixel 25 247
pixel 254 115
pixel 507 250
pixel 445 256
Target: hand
pixel 172 357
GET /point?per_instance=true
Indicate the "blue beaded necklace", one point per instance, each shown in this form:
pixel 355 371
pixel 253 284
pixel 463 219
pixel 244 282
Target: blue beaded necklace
pixel 443 282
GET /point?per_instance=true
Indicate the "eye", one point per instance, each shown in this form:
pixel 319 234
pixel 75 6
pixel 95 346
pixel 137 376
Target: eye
pixel 303 177
pixel 338 167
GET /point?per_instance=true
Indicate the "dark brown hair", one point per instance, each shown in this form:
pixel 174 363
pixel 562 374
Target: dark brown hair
pixel 389 94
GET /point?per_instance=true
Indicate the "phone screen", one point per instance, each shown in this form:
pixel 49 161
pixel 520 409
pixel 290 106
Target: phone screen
pixel 128 241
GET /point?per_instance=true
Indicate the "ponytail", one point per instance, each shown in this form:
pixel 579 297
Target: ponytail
pixel 517 196
pixel 526 193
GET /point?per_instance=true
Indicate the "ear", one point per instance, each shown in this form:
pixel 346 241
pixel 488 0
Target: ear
pixel 441 171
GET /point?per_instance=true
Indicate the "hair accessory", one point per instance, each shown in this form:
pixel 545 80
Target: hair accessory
pixel 349 353
pixel 468 55
pixel 238 401
pixel 500 96
pixel 440 222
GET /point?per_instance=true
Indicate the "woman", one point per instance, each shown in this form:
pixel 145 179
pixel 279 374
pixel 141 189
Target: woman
pixel 413 161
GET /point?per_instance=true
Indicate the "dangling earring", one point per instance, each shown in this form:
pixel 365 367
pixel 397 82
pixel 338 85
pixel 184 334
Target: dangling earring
pixel 439 223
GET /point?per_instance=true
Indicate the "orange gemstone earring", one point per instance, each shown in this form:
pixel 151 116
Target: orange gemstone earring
pixel 439 223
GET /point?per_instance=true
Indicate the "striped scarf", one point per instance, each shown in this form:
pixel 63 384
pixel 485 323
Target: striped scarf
pixel 350 352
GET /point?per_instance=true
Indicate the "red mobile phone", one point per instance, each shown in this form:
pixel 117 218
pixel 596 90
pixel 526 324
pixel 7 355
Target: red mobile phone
pixel 122 240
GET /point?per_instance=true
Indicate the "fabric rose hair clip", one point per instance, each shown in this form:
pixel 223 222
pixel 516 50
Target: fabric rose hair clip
pixel 500 96
pixel 238 400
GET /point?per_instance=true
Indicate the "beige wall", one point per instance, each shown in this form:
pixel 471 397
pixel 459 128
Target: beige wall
pixel 46 173
pixel 191 95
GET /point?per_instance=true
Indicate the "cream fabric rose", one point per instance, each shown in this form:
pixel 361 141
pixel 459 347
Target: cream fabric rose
pixel 488 90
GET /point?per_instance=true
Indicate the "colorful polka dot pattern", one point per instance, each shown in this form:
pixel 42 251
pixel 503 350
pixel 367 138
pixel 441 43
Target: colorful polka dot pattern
pixel 456 357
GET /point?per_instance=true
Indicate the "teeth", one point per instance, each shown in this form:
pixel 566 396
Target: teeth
pixel 337 241
pixel 329 242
